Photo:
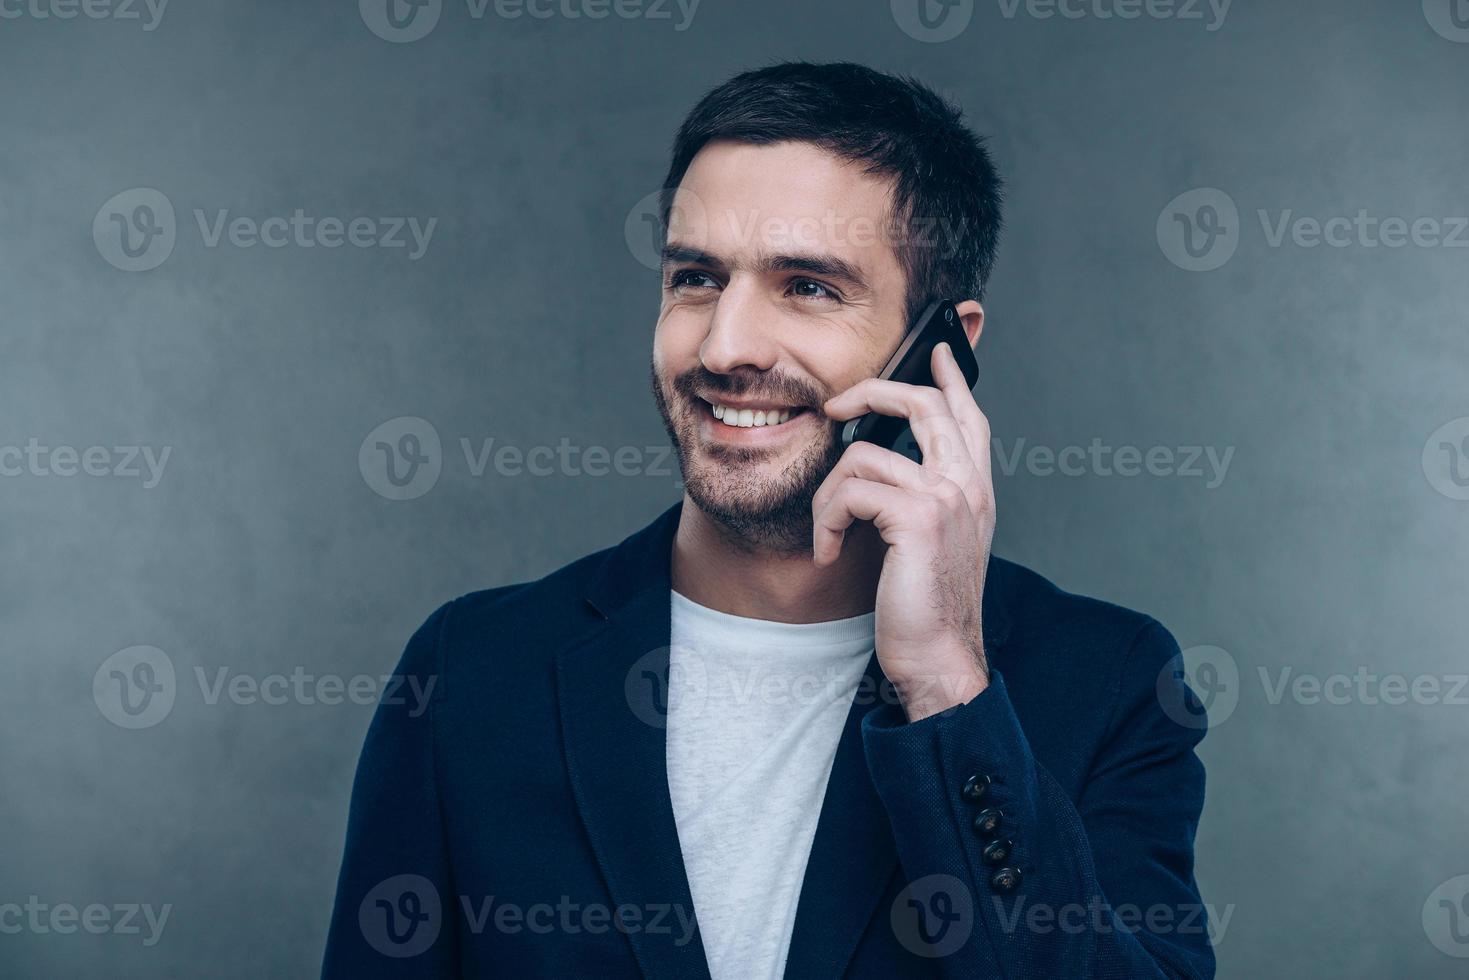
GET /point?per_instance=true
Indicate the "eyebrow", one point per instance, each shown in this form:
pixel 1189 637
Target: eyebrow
pixel 824 266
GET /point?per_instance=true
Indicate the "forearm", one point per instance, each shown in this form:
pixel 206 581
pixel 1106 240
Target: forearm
pixel 966 798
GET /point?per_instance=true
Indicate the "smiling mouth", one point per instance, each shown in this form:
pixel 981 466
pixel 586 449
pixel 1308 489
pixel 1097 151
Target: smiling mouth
pixel 769 416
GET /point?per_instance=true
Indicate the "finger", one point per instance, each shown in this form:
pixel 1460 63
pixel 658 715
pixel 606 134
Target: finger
pixel 866 461
pixel 853 500
pixel 885 396
pixel 934 427
pixel 972 421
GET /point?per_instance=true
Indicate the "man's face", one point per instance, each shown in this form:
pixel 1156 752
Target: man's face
pixel 780 289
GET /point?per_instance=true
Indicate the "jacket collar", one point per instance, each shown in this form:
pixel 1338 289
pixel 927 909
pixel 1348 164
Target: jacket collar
pixel 612 686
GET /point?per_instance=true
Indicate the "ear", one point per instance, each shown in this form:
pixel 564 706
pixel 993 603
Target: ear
pixel 971 314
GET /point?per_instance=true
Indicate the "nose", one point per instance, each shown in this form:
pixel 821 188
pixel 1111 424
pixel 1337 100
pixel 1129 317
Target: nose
pixel 739 335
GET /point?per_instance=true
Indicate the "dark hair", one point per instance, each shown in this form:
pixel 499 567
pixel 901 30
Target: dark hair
pixel 947 192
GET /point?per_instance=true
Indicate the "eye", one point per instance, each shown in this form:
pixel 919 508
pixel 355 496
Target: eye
pixel 689 279
pixel 811 289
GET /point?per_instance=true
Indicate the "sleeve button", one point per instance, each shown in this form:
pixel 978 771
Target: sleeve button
pixel 988 821
pixel 1005 879
pixel 976 787
pixel 997 852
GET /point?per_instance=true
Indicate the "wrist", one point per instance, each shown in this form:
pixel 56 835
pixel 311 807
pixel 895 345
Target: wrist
pixel 954 680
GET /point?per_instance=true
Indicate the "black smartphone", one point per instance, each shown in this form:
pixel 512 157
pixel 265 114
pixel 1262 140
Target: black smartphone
pixel 910 363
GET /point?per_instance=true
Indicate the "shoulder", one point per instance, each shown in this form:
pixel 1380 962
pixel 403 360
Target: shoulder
pixel 1039 612
pixel 1079 666
pixel 520 616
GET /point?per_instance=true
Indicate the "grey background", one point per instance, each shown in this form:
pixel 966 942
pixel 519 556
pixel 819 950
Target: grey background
pixel 264 547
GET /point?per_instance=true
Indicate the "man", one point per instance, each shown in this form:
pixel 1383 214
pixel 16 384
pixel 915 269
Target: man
pixel 803 724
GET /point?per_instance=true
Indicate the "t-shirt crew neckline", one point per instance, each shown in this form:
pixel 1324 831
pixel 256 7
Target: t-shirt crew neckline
pixel 823 634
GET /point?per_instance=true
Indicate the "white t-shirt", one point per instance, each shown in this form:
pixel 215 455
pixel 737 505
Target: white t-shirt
pixel 755 710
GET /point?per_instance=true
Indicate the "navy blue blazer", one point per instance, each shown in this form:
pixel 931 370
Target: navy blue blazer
pixel 516 822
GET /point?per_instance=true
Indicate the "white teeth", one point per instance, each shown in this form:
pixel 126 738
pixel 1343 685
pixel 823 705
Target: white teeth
pixel 750 418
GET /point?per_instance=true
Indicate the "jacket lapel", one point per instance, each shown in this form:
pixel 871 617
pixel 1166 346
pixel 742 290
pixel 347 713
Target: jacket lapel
pixel 612 691
pixel 852 855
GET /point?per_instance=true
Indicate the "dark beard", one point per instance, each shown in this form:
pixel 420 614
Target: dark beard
pixel 772 517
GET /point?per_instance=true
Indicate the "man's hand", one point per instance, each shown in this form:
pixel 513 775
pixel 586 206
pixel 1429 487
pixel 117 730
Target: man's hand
pixel 937 519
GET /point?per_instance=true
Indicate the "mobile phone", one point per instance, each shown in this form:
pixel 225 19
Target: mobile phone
pixel 910 363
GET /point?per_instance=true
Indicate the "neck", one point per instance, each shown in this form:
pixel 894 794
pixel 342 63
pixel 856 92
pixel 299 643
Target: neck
pixel 715 570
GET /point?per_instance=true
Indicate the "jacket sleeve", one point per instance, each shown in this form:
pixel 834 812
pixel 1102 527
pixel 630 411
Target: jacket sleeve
pixel 394 914
pixel 1100 888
